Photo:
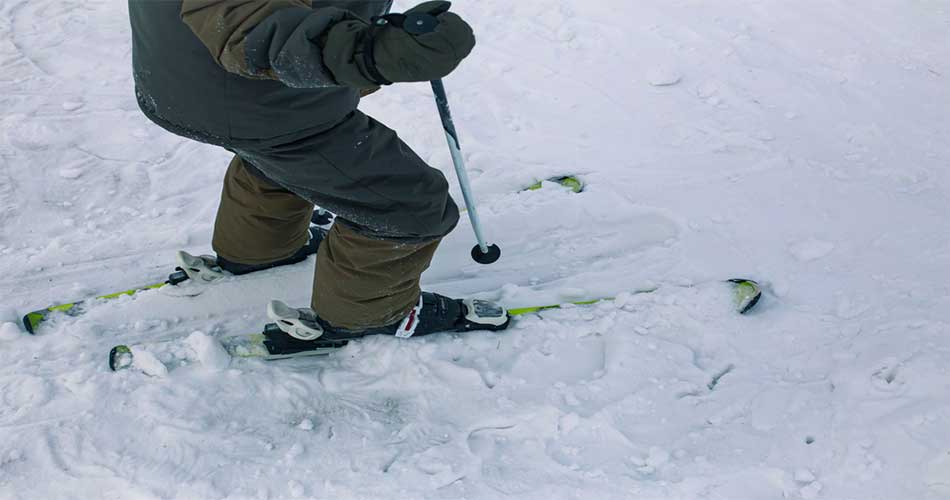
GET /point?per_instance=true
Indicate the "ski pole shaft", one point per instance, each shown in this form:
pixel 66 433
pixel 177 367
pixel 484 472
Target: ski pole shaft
pixel 483 253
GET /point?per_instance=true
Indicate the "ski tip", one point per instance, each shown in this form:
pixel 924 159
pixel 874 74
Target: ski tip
pixel 569 181
pixel 120 357
pixel 31 321
pixel 575 184
pixel 747 294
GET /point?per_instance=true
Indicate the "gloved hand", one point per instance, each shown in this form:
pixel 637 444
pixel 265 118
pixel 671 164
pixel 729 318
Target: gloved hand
pixel 425 43
pixel 403 55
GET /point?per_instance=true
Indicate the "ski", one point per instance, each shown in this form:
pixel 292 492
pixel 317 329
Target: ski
pixel 273 344
pixel 34 319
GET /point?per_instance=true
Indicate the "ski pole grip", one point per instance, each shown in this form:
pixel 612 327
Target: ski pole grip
pixel 416 23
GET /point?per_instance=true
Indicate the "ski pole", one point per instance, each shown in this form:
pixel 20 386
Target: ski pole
pixel 417 24
pixel 483 253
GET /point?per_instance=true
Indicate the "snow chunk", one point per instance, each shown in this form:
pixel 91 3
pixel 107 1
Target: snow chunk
pixel 295 451
pixel 9 331
pixel 663 76
pixel 305 425
pixel 70 172
pixel 804 476
pixel 208 351
pixel 296 489
pixel 811 249
pixel 73 104
pixel 568 423
pixel 148 363
pixel 622 299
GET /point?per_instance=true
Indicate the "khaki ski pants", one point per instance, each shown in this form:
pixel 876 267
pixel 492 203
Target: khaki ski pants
pixel 392 212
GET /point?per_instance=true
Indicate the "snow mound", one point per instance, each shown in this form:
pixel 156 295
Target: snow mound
pixel 208 351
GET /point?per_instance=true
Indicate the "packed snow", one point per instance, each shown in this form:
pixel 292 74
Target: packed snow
pixel 803 144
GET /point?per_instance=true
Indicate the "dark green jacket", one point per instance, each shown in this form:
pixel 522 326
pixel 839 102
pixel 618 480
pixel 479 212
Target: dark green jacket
pixel 222 71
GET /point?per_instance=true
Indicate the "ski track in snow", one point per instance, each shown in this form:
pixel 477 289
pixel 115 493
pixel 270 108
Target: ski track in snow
pixel 802 144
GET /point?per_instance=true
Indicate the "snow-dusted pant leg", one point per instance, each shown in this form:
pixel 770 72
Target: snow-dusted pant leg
pixel 363 282
pixel 258 222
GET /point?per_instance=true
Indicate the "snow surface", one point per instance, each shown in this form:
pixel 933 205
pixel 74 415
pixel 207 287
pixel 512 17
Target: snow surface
pixel 805 144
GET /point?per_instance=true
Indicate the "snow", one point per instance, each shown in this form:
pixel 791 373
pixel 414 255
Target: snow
pixel 208 351
pixel 662 76
pixel 149 364
pixel 811 249
pixel 9 331
pixel 803 144
pixel 804 476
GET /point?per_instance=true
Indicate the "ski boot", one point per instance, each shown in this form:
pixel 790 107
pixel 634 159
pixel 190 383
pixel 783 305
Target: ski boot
pixel 207 268
pixel 301 329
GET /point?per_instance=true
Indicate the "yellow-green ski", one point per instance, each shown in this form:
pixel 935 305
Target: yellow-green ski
pixel 745 295
pixel 270 343
pixel 32 320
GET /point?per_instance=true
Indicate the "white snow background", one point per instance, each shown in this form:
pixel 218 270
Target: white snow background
pixel 804 144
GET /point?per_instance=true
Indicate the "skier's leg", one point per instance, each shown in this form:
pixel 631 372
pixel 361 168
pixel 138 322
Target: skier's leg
pixel 361 171
pixel 392 211
pixel 363 282
pixel 258 222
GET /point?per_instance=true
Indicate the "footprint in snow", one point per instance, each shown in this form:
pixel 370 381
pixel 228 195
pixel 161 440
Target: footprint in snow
pixel 887 377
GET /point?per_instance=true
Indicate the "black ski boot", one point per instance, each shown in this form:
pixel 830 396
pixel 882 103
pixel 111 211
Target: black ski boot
pixel 301 329
pixel 207 268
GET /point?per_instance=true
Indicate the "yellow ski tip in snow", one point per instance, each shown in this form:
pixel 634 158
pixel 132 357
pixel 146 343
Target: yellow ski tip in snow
pixel 746 294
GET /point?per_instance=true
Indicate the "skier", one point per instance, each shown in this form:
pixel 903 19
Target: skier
pixel 277 82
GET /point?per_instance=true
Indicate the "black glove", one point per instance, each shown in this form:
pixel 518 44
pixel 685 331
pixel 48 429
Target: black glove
pixel 422 48
pixel 425 43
